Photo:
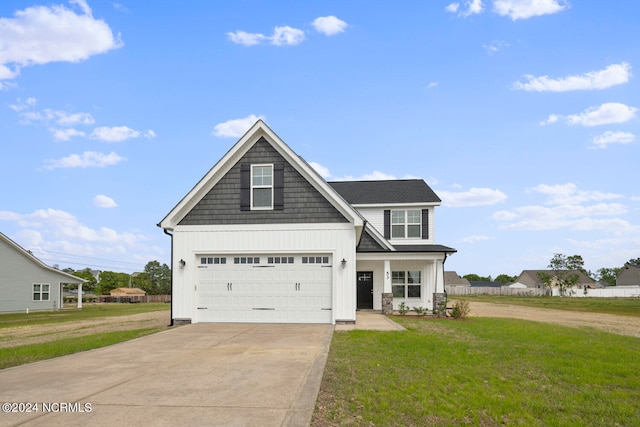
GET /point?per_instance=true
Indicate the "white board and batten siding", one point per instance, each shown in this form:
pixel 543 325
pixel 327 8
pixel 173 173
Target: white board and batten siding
pixel 291 292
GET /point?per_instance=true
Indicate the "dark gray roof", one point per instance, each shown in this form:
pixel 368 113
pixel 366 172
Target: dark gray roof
pixel 389 191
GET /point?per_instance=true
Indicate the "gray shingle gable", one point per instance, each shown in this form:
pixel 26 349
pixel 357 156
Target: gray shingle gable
pixel 385 192
pixel 302 202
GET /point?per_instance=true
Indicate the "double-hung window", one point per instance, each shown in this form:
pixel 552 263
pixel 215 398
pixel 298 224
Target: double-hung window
pixel 261 186
pixel 406 224
pixel 41 292
pixel 406 284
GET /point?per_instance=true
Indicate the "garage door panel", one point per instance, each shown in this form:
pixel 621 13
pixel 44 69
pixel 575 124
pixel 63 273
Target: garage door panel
pixel 273 292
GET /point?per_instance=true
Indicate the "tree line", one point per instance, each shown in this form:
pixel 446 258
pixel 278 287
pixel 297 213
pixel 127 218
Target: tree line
pixel 561 262
pixel 154 280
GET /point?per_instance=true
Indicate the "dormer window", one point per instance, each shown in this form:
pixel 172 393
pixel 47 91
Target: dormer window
pixel 406 224
pixel 261 187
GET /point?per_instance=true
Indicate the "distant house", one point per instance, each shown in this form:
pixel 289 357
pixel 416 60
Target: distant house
pixel 127 295
pixel 531 279
pixel 127 292
pixel 629 275
pixel 26 283
pixel 485 284
pixel 451 278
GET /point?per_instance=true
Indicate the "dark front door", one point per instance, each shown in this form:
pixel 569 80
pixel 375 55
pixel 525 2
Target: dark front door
pixel 365 290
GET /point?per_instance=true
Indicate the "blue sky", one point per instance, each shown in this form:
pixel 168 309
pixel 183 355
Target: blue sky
pixel 522 115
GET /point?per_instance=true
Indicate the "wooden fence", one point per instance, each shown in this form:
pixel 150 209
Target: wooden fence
pixel 136 299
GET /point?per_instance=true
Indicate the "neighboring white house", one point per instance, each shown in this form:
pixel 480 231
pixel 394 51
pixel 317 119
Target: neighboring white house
pixel 26 283
pixel 629 275
pixel 262 237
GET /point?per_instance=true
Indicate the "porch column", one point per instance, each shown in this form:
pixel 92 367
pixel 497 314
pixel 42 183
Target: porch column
pixel 387 293
pixel 80 295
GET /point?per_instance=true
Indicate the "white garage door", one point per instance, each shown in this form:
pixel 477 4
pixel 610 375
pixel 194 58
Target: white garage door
pixel 264 288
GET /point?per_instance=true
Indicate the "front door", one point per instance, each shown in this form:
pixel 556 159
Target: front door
pixel 365 290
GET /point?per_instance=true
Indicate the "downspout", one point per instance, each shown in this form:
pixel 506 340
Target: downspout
pixel 444 288
pixel 171 292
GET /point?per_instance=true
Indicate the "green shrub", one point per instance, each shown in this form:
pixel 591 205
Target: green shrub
pixel 420 311
pixel 403 309
pixel 460 309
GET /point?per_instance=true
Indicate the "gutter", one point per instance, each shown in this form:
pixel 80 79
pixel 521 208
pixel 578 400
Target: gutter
pixel 171 292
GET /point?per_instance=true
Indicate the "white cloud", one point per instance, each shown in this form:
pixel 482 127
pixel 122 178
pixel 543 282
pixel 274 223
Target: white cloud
pixel 553 118
pixel 568 208
pixel 20 105
pixel 495 46
pixel 609 137
pixel 608 113
pixel 286 36
pixel 63 118
pixel 471 7
pixel 102 201
pixel 615 74
pixel 329 25
pixel 282 36
pixel 323 171
pixel 235 128
pixel 432 85
pixel 88 159
pixel 65 134
pixel 452 8
pixel 475 238
pixel 246 39
pixel 472 197
pixel 118 133
pixel 62 233
pixel 42 34
pixel 571 217
pixel 568 194
pixel 525 9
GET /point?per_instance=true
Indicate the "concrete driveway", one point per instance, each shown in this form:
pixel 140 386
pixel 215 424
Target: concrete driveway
pixel 203 374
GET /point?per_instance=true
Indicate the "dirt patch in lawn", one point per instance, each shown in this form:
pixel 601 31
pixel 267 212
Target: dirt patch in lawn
pixel 623 325
pixel 22 335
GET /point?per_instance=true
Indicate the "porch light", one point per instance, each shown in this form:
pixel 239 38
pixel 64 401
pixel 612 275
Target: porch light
pixel 182 263
pixel 343 263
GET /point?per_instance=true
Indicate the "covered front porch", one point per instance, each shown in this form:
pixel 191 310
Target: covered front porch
pixel 385 280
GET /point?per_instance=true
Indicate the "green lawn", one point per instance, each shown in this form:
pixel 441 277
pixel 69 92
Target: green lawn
pixel 88 311
pixel 480 371
pixel 621 306
pixel 20 355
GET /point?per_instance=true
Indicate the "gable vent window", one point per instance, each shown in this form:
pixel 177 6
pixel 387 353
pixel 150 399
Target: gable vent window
pixel 261 186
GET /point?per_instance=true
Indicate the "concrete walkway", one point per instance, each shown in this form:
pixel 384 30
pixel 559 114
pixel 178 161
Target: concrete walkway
pixel 372 321
pixel 203 374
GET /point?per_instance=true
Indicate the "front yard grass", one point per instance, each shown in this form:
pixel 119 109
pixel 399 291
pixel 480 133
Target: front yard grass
pixel 620 306
pixel 19 355
pixel 481 371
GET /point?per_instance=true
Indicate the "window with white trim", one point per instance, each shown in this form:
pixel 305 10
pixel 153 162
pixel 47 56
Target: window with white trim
pixel 406 284
pixel 261 187
pixel 406 224
pixel 41 292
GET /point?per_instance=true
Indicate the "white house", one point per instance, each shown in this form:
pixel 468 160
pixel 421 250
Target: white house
pixel 26 283
pixel 262 237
